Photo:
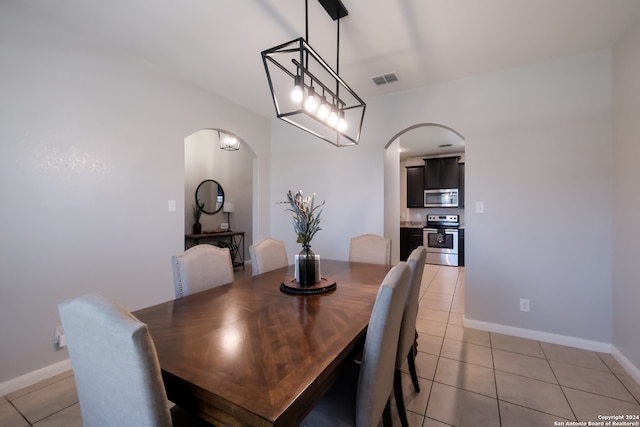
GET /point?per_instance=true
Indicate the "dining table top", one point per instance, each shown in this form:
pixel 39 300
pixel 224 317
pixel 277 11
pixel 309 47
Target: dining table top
pixel 248 354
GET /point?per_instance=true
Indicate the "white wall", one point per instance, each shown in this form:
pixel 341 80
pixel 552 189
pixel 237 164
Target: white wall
pixel 392 197
pixel 91 150
pixel 349 179
pixel 626 229
pixel 538 146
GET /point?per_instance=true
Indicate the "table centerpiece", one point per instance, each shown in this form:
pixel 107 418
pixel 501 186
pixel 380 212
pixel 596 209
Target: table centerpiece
pixel 306 223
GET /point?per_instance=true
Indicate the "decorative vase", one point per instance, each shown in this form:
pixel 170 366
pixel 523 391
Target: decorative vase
pixel 307 267
pixel 197 228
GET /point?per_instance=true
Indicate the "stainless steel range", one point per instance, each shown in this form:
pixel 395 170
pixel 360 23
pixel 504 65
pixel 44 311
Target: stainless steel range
pixel 440 237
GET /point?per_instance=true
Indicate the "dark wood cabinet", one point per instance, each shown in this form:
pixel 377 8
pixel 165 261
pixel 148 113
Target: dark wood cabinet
pixel 415 186
pixel 461 186
pixel 461 247
pixel 441 172
pixel 410 238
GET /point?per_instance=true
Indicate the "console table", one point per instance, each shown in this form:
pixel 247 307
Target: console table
pixel 234 240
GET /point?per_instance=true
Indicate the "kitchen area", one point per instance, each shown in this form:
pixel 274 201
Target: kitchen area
pixel 432 168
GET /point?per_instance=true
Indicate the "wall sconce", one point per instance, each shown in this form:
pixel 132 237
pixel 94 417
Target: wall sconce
pixel 308 94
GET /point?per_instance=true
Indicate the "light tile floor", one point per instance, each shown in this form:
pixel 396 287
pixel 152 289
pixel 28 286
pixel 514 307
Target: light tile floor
pixel 467 377
pixel 476 378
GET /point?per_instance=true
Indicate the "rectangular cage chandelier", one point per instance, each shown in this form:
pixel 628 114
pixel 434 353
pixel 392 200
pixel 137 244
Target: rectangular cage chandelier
pixel 308 94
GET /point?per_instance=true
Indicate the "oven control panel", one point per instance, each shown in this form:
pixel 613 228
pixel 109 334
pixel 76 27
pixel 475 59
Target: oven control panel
pixel 443 218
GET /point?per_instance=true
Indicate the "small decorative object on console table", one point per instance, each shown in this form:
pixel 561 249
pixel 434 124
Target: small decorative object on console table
pixel 197 211
pixel 306 223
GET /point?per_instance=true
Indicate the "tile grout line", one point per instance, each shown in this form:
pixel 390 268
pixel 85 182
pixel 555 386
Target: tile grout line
pixel 546 357
pixel 495 380
pixel 57 412
pixel 18 411
pixel 618 378
pixel 437 363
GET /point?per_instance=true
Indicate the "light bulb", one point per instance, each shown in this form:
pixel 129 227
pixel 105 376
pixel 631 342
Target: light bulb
pixel 297 93
pixel 332 120
pixel 323 111
pixel 311 104
pixel 342 124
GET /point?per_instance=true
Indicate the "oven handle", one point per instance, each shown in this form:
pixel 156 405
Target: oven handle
pixel 446 230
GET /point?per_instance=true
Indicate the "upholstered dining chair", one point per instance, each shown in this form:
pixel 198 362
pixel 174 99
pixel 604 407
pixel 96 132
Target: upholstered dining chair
pixel 116 367
pixel 201 267
pixel 361 396
pixel 370 248
pixel 407 342
pixel 267 254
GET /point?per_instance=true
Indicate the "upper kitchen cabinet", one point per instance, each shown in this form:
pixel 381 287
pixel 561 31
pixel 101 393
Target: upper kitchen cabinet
pixel 441 172
pixel 415 186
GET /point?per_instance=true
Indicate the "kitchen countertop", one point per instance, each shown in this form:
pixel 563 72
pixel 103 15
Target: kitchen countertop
pixel 419 224
pixel 412 224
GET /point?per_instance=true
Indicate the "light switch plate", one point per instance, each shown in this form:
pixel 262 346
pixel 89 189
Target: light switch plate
pixel 172 205
pixel 479 207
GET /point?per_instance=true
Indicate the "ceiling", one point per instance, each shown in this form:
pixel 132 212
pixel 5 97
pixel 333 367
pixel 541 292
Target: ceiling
pixel 430 140
pixel 216 44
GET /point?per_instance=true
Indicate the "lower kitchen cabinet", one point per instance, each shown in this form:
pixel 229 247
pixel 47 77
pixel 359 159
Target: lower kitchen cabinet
pixel 410 238
pixel 461 247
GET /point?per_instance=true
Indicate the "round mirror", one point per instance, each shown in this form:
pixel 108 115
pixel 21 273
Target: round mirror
pixel 209 196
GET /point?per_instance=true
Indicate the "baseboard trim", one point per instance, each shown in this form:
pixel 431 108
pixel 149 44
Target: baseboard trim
pixel 626 364
pixel 35 376
pixel 539 335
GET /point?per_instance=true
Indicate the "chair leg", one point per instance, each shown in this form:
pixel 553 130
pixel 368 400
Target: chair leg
pixel 411 359
pixel 397 392
pixel 386 414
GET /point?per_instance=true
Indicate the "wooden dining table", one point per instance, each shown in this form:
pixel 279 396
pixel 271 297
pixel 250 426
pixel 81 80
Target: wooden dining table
pixel 248 354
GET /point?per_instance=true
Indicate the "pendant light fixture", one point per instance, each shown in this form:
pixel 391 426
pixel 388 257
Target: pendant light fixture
pixel 308 93
pixel 228 142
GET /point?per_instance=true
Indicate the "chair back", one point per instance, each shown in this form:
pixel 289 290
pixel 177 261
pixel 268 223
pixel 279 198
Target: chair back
pixel 379 355
pixel 268 254
pixel 115 365
pixel 408 327
pixel 200 268
pixel 370 248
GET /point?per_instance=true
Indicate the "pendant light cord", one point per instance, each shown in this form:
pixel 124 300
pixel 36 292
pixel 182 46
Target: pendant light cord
pixel 338 48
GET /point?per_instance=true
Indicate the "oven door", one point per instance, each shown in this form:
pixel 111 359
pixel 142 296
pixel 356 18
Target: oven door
pixel 441 245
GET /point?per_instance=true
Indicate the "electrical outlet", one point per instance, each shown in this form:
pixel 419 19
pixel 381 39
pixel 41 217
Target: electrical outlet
pixel 58 338
pixel 524 305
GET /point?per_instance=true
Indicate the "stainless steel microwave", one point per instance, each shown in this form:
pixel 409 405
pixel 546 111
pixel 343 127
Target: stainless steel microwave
pixel 443 198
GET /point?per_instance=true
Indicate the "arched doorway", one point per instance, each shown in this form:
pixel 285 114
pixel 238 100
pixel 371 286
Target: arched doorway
pixel 408 148
pixel 232 170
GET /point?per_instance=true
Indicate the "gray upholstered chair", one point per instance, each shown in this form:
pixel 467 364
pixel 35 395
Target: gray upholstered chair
pixel 406 344
pixel 370 248
pixel 360 397
pixel 200 268
pixel 116 367
pixel 268 254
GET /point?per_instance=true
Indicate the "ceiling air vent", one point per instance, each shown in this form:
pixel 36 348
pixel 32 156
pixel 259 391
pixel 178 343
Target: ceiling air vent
pixel 385 78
